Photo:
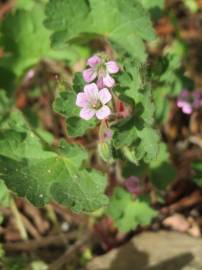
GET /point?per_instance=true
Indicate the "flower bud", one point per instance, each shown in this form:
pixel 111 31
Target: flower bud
pixel 105 152
pixel 132 184
pixel 130 154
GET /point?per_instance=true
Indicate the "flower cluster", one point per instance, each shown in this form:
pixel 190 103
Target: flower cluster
pixel 188 101
pixel 96 94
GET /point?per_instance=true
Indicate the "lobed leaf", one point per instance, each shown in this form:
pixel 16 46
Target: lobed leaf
pixel 42 175
pixel 124 23
pixel 27 42
pixel 127 212
pixel 162 172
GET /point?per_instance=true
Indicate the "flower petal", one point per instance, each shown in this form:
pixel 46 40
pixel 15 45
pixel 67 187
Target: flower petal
pixel 112 67
pixel 82 100
pixel 104 95
pixel 91 91
pixel 89 75
pixel 180 103
pixel 94 60
pixel 87 113
pixel 103 112
pixel 108 81
pixel 100 83
pixel 187 109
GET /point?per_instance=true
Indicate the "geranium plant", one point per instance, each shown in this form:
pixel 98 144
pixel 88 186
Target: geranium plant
pixel 107 109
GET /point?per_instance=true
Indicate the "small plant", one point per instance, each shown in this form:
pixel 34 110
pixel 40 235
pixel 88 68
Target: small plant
pixel 111 110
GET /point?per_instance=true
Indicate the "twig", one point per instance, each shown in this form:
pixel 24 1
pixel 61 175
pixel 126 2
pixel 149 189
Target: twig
pixel 67 256
pixel 39 243
pixel 67 216
pixel 30 228
pixel 193 199
pixel 40 223
pixel 53 217
pixel 19 221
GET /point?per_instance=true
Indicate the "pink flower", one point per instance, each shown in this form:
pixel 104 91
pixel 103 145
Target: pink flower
pixel 101 70
pixel 93 102
pixel 187 101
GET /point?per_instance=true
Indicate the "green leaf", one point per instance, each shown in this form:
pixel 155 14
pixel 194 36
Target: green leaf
pixel 145 105
pixel 197 167
pixel 129 169
pixel 127 212
pixel 142 140
pixel 15 120
pixel 83 192
pixel 5 105
pixel 161 103
pixel 148 147
pixel 5 197
pixel 136 135
pixel 14 263
pixel 26 41
pixel 24 4
pixel 133 87
pixel 45 135
pixel 65 13
pixel 162 172
pixel 78 83
pixel 125 132
pixel 77 127
pixel 155 7
pixel 76 152
pixel 130 79
pixel 41 175
pixel 123 22
pixel 173 76
pixel 148 4
pixel 19 144
pixel 5 200
pixel 65 104
pixel 7 79
pixel 145 148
